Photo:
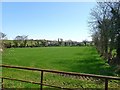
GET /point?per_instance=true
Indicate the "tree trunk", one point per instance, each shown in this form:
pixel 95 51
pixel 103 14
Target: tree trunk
pixel 118 46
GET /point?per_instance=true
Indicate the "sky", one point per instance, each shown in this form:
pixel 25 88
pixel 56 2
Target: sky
pixel 47 20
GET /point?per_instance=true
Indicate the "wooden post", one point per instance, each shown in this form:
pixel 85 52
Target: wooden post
pixel 106 84
pixel 2 84
pixel 41 81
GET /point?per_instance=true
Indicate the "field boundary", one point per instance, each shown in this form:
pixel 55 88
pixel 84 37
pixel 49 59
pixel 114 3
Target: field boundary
pixel 106 78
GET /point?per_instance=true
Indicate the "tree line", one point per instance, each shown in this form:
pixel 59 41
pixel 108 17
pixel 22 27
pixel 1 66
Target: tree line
pixel 105 30
pixel 23 41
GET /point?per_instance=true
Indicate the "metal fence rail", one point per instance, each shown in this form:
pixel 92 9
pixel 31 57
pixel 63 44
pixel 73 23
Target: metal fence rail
pixel 42 71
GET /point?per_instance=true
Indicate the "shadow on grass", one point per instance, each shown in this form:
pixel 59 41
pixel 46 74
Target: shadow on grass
pixel 90 67
pixel 89 64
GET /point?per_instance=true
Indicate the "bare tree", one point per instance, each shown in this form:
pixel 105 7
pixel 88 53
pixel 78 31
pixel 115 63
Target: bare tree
pixel 3 37
pixel 105 25
pixel 20 41
pixel 100 24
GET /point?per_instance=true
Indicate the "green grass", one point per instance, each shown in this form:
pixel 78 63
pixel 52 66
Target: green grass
pixel 73 59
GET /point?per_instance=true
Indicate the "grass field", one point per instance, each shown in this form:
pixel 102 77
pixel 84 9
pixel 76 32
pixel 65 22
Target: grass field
pixel 73 59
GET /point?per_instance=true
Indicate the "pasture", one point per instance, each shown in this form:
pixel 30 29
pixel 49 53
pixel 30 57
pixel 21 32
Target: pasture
pixel 72 59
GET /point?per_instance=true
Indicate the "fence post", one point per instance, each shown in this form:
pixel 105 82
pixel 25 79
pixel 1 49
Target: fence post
pixel 41 81
pixel 2 84
pixel 106 84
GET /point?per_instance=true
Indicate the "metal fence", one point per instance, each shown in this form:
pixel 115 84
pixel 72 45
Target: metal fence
pixel 106 82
